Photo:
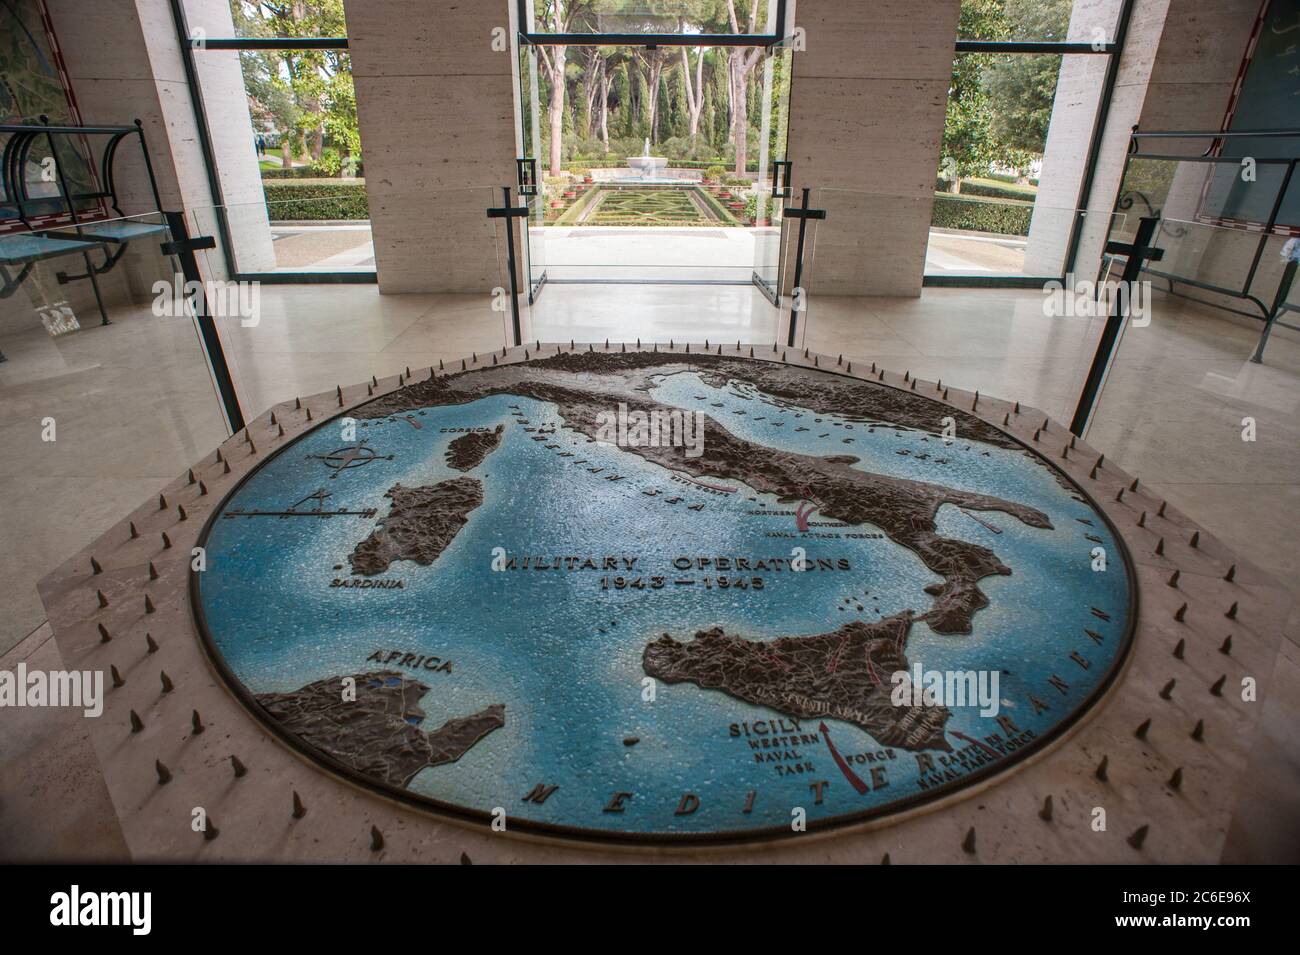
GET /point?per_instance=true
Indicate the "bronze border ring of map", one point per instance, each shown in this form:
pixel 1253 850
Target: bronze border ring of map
pixel 929 800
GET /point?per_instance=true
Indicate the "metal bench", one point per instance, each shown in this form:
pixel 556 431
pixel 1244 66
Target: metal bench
pixel 52 226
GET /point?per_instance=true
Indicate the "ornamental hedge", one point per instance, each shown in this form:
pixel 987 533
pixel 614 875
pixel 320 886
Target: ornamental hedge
pixel 295 199
pixel 309 171
pixel 999 216
pixel 990 190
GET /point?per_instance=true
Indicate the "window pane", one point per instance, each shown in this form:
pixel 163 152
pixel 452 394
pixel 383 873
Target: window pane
pixel 1073 21
pixel 1013 158
pixel 648 16
pixel 639 142
pixel 253 18
pixel 288 153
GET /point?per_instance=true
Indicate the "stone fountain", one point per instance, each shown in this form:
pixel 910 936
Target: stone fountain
pixel 647 166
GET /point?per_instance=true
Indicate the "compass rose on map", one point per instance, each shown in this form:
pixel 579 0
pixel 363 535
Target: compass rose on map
pixel 351 456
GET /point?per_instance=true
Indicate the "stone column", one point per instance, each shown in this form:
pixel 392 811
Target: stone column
pixel 225 100
pixel 124 63
pixel 1080 87
pixel 867 108
pixel 435 104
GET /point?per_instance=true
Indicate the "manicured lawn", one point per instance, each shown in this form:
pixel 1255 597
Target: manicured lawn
pixel 646 206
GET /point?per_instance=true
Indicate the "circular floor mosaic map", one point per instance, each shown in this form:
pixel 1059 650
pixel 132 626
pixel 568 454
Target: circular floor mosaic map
pixel 650 596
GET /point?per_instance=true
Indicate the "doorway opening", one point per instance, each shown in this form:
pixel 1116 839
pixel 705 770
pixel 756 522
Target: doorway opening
pixel 652 143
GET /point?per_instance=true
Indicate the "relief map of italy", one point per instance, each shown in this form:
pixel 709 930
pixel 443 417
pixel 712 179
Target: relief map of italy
pixel 654 596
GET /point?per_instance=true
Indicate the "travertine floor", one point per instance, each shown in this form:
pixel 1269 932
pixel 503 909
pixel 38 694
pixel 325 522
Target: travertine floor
pixel 728 254
pixel 134 406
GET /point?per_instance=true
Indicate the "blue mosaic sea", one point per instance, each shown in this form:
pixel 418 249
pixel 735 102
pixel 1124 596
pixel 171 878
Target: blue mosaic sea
pixel 564 655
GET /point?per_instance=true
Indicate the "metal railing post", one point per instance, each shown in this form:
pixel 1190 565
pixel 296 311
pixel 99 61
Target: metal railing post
pixel 803 214
pixel 183 247
pixel 510 213
pixel 1279 306
pixel 66 187
pixel 1138 251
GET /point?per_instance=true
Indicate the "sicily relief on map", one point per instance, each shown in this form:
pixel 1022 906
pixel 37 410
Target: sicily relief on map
pixel 651 596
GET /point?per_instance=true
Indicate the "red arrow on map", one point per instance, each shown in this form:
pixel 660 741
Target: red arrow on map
pixel 854 780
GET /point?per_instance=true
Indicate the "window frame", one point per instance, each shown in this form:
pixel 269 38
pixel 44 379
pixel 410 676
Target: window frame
pixel 651 39
pixel 190 42
pixel 1112 49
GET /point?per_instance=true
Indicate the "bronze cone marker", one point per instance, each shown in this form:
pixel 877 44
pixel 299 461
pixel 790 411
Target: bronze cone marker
pixel 1138 837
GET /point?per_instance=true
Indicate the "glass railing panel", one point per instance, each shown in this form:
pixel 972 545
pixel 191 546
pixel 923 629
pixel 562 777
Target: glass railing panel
pixel 655 311
pixel 1224 219
pixel 1186 409
pixel 306 333
pixel 534 249
pixel 1206 190
pixel 670 245
pixel 325 229
pixel 1031 343
pixel 1212 255
pixel 94 417
pixel 989 237
pixel 679 224
pixel 303 226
